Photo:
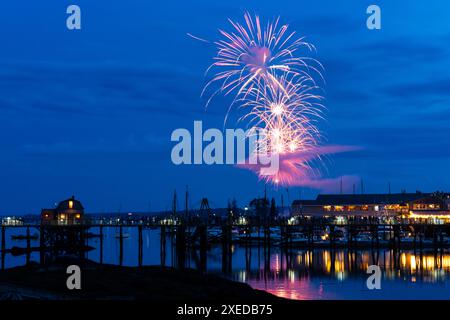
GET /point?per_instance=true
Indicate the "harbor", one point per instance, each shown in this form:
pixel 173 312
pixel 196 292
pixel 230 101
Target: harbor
pixel 286 251
pixel 291 272
pixel 280 254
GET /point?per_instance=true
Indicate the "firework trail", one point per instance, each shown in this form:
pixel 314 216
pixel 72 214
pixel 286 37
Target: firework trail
pixel 276 87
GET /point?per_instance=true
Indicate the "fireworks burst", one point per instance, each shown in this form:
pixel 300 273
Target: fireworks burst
pixel 277 89
pixel 288 111
pixel 252 53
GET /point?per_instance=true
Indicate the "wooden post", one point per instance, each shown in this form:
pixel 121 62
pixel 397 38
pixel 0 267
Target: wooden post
pixel 82 243
pixel 248 258
pixel 203 247
pixel 172 244
pixel 422 234
pixel 229 248
pixel 140 251
pixel 28 245
pixel 332 236
pixel 121 245
pixel 180 246
pixel 41 245
pixel 224 249
pixel 377 234
pixel 163 245
pixel 433 228
pixel 101 244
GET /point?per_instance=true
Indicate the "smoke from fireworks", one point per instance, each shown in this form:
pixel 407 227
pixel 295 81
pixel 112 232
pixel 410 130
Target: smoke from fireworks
pixel 276 87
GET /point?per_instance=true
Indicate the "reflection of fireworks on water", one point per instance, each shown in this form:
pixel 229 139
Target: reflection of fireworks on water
pixel 276 88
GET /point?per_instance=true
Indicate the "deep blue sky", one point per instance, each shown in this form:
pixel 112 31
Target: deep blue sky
pixel 90 112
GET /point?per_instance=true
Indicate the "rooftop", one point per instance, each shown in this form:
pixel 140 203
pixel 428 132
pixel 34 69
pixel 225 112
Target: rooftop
pixel 362 199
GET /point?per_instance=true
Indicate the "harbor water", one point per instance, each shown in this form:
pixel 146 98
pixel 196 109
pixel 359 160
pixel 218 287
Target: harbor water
pixel 293 274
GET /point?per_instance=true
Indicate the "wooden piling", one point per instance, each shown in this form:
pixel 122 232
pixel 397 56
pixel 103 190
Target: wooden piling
pixel 140 243
pixel 203 231
pixel 41 245
pixel 181 246
pixel 101 244
pixel 121 245
pixel 225 249
pixel 28 245
pixel 163 245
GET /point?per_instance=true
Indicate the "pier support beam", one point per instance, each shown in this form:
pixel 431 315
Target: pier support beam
pixel 226 249
pixel 121 245
pixel 41 245
pixel 163 246
pixel 28 245
pixel 180 243
pixel 101 244
pixel 203 231
pixel 140 250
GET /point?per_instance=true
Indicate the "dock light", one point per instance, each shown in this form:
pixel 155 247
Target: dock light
pixel 78 216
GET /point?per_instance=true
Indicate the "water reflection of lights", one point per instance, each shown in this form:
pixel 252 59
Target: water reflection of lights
pixel 291 276
pixel 297 275
pixel 413 263
pixel 242 276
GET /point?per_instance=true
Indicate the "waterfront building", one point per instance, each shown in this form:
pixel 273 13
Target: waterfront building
pixel 409 205
pixel 435 206
pixel 67 212
pixel 11 221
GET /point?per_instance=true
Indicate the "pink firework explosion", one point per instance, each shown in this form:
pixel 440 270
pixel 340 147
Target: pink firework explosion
pixel 288 111
pixel 251 53
pixel 277 90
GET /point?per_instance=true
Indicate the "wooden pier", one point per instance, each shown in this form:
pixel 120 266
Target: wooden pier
pixel 188 239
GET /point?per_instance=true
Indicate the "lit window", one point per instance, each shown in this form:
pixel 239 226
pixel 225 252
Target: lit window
pixel 78 216
pixel 70 204
pixel 62 216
